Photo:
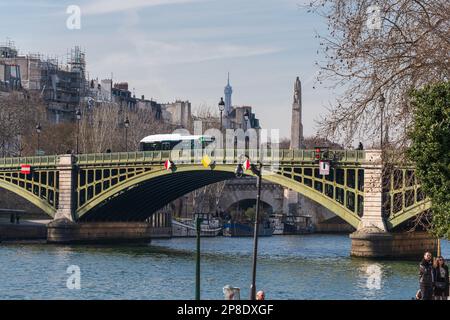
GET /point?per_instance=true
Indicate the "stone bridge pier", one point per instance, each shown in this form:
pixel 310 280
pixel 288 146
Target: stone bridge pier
pixel 373 239
pixel 65 228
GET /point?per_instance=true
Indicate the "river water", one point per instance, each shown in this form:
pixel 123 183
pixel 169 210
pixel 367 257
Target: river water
pixel 289 267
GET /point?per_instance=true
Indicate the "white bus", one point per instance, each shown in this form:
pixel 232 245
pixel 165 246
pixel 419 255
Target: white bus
pixel 160 142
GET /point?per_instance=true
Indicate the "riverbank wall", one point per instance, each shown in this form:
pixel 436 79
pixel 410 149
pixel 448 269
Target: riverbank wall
pixel 21 232
pixel 66 232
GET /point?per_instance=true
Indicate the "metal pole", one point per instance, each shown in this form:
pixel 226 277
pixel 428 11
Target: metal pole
pixel 255 236
pixel 78 132
pixel 126 139
pixel 382 118
pixel 197 266
pixel 38 144
pixel 221 126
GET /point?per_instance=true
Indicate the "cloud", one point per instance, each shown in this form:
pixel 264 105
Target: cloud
pixel 158 53
pixel 98 7
pixel 147 64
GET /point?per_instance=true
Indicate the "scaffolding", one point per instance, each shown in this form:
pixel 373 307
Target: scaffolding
pixel 62 85
pixel 60 80
pixel 77 64
pixel 8 49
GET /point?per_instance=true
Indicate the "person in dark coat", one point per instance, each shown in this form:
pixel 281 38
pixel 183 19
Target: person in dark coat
pixel 426 276
pixel 441 283
pixel 360 146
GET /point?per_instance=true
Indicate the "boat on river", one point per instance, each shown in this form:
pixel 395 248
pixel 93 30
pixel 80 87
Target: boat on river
pixel 246 229
pixel 187 228
pixel 291 224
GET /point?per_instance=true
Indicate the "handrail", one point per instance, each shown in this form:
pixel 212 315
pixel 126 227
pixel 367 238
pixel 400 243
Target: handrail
pixel 223 156
pixel 34 161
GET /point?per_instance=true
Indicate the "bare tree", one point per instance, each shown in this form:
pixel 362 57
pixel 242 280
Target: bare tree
pixel 379 51
pixel 103 128
pixel 206 111
pixel 208 116
pixel 285 143
pixel 57 138
pixel 206 199
pixel 20 113
pixel 375 48
pixel 316 141
pixel 98 128
pixel 143 123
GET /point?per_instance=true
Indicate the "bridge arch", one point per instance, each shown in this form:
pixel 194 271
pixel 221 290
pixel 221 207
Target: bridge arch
pixel 150 191
pixel 233 196
pixel 318 197
pixel 413 211
pixel 30 197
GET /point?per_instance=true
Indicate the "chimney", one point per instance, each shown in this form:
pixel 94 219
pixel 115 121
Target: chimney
pixel 142 97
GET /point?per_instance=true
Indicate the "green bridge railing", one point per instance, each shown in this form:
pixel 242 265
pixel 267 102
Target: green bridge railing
pixel 283 156
pixel 33 161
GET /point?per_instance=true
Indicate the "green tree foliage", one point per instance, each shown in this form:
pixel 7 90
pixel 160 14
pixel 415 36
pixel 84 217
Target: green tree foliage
pixel 250 213
pixel 430 150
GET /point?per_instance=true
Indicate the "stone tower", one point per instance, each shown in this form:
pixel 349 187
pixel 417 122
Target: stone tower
pixel 292 200
pixel 296 125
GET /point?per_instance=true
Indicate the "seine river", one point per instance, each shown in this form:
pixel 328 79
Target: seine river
pixel 289 267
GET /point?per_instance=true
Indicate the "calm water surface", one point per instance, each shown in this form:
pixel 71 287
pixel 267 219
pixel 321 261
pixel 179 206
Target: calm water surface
pixel 289 267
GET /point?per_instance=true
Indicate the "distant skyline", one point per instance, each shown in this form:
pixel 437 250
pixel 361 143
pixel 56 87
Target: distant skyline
pixel 183 49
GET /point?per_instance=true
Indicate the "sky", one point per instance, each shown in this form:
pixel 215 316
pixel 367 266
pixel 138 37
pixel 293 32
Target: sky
pixel 183 49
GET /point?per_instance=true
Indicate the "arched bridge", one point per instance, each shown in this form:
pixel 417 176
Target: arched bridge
pixel 131 186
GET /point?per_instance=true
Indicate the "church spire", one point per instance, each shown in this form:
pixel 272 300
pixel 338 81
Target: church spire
pixel 228 92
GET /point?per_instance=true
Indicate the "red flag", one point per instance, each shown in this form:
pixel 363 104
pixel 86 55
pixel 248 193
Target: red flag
pixel 168 164
pixel 246 164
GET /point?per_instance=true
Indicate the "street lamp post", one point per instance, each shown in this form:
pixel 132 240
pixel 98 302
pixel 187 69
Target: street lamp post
pixel 382 102
pixel 221 108
pixel 78 115
pixel 38 131
pixel 257 170
pixel 126 124
pixel 246 118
